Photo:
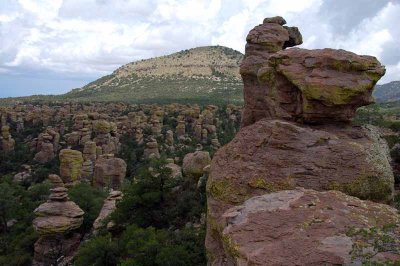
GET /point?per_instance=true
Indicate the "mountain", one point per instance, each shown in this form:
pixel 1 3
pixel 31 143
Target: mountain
pixel 204 73
pixel 388 92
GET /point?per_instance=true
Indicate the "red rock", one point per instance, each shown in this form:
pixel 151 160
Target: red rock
pixel 306 227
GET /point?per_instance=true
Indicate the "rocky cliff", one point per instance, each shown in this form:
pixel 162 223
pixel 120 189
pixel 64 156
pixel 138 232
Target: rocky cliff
pixel 296 132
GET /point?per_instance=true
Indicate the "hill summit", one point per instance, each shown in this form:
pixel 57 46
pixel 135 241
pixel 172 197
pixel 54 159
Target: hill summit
pixel 203 73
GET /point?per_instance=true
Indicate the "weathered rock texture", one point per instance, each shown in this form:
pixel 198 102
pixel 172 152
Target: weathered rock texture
pixel 302 85
pixel 296 133
pixel 56 220
pixel 306 227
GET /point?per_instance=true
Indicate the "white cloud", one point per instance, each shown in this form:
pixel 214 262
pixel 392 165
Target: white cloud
pixel 96 36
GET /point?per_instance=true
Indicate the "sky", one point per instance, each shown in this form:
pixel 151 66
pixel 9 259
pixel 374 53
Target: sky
pixel 53 46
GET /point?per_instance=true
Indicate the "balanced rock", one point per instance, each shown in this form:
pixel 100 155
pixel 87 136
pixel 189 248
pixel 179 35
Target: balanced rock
pixel 306 227
pixel 56 220
pixel 296 133
pixel 302 85
pixel 194 163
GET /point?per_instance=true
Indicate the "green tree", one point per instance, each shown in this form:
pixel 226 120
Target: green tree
pixel 90 200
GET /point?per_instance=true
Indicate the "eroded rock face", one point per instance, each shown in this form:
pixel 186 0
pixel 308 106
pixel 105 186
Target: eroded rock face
pixel 272 155
pixel 311 86
pixel 306 227
pixel 296 133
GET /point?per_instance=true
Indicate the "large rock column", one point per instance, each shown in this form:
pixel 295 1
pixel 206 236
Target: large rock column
pixel 296 132
pixel 56 222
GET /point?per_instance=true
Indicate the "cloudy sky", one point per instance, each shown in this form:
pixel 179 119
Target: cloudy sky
pixel 52 46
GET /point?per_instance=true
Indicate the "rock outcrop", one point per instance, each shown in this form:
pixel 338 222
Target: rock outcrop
pixel 306 227
pixel 296 132
pixel 56 220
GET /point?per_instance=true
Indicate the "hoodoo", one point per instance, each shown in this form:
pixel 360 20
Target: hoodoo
pixel 283 187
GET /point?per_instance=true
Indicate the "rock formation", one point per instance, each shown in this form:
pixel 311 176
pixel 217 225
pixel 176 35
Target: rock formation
pixel 194 163
pixel 296 132
pixel 56 220
pixel 70 165
pixel 306 227
pixel 151 149
pixel 109 172
pixel 110 204
pixel 302 85
pixel 7 142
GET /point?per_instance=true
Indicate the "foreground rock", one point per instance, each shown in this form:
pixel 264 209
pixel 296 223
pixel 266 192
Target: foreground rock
pixel 306 227
pixel 296 133
pixel 56 220
pixel 272 155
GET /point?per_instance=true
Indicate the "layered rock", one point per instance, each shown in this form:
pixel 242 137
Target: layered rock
pixel 296 133
pixel 109 172
pixel 56 220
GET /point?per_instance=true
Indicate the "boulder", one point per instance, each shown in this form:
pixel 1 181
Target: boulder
pixel 194 163
pixel 306 227
pixel 316 86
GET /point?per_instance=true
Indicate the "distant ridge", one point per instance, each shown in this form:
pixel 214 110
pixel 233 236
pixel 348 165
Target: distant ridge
pixel 203 73
pixel 389 92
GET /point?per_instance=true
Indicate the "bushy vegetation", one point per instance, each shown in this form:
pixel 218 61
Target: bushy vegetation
pixel 159 221
pixel 17 235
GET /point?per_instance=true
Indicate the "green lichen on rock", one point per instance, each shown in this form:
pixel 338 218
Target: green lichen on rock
pixel 367 188
pixel 230 247
pixel 226 191
pixel 102 126
pixel 367 242
pixel 70 165
pixel 261 183
pixel 333 95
